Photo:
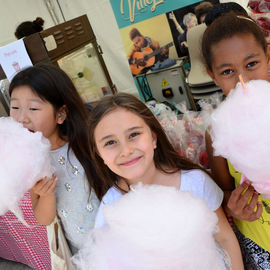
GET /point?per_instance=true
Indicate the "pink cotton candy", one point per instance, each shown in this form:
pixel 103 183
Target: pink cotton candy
pixel 240 130
pixel 24 159
pixel 153 228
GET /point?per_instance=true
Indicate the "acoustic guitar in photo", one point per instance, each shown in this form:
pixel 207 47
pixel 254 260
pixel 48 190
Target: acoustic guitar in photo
pixel 141 60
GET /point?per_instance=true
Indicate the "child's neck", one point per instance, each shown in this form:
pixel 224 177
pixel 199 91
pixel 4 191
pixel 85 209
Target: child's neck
pixel 57 142
pixel 156 177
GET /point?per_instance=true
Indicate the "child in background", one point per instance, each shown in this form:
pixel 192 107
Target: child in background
pixel 44 99
pixel 233 45
pixel 129 146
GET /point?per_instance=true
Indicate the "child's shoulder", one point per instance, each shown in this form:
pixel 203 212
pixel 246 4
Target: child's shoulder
pixel 195 175
pixel 201 185
pixel 197 178
pixel 112 195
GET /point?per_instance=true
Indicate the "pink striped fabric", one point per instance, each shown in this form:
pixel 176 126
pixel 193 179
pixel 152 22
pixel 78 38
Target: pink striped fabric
pixel 26 245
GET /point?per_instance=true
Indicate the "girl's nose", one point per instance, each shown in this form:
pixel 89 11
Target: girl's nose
pixel 22 117
pixel 126 149
pixel 243 76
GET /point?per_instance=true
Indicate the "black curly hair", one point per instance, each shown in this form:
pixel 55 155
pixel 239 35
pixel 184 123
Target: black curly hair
pixel 27 28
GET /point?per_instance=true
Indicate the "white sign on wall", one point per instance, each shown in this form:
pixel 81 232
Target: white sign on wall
pixel 14 58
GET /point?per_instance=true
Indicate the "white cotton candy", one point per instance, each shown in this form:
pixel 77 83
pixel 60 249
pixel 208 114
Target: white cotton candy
pixel 241 132
pixel 24 159
pixel 153 228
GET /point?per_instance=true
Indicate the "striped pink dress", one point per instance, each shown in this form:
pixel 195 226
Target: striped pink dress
pixel 26 245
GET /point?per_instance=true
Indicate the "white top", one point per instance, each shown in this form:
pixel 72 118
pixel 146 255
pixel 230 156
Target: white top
pixel 196 182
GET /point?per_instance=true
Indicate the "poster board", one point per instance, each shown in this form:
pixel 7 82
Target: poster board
pixel 154 23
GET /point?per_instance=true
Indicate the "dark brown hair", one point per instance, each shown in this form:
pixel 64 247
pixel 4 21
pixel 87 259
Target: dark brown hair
pixel 166 158
pixel 202 9
pixel 27 28
pixel 134 32
pixel 223 8
pixel 52 84
pixel 227 26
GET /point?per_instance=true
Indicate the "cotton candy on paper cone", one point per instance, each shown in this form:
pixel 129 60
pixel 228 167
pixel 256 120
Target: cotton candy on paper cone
pixel 240 131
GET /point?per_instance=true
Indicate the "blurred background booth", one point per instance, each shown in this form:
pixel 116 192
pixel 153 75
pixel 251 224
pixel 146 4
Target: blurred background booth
pixel 72 46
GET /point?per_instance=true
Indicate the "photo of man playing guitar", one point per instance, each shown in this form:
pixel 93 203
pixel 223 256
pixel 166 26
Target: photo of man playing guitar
pixel 146 54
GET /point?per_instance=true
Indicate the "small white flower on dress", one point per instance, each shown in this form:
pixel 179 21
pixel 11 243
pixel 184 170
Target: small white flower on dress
pixel 89 207
pixel 75 170
pixel 64 213
pixel 61 160
pixel 68 187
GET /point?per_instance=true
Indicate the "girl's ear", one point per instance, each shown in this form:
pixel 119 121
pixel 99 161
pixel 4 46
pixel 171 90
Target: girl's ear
pixel 154 136
pixel 61 115
pixel 211 74
pixel 268 55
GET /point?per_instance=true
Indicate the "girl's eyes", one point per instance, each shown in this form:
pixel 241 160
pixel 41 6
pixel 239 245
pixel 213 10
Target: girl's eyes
pixel 131 136
pixel 17 108
pixel 134 134
pixel 227 72
pixel 111 142
pixel 252 64
pixel 231 71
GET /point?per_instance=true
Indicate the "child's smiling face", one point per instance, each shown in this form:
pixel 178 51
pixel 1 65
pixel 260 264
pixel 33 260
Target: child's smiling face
pixel 239 54
pixel 126 144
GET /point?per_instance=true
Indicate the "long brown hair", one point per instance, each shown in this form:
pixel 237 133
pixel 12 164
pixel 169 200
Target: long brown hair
pixel 52 84
pixel 166 159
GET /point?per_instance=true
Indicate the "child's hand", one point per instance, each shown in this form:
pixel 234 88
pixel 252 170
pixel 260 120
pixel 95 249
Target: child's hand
pixel 239 204
pixel 45 186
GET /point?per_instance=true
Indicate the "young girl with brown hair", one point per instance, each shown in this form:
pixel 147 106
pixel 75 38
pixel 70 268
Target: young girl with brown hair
pixel 129 146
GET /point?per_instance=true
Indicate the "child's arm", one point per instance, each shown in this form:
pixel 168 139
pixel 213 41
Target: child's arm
pixel 44 201
pixel 227 240
pixel 219 167
pixel 235 203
